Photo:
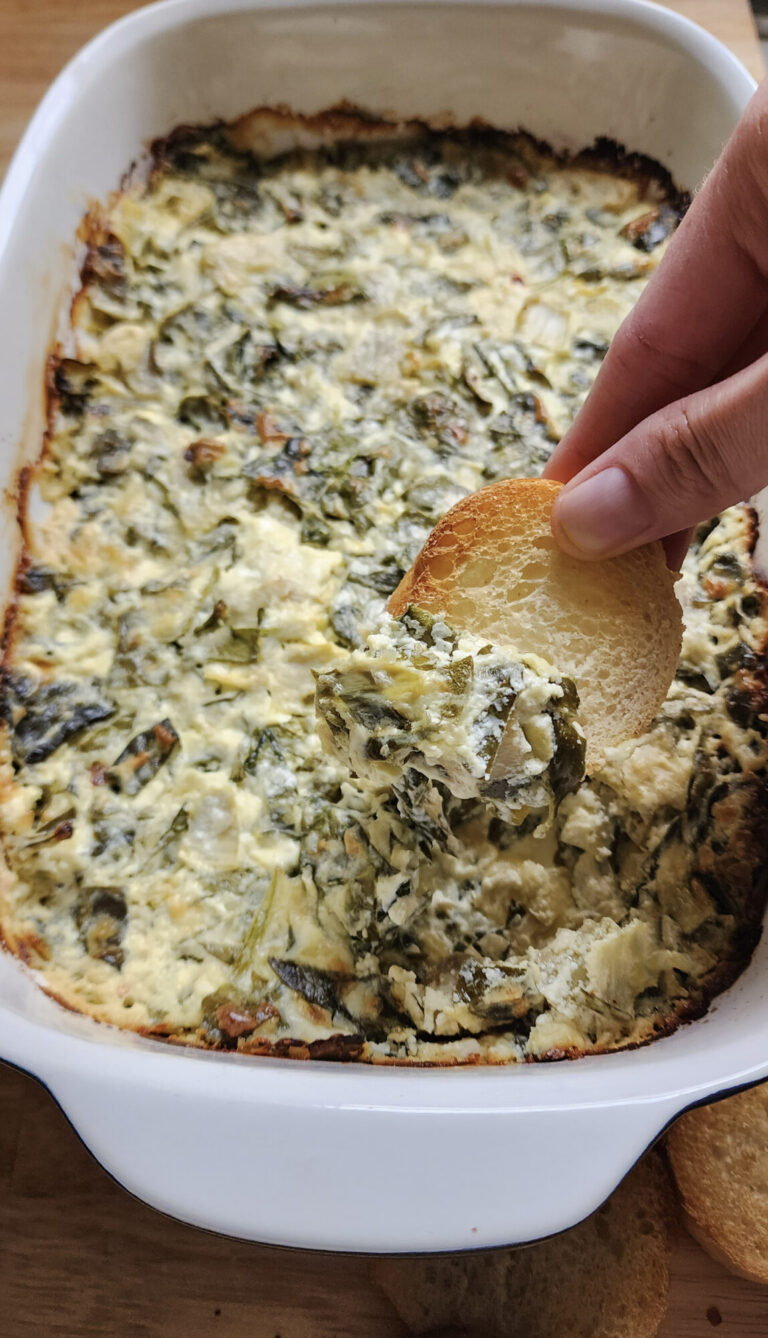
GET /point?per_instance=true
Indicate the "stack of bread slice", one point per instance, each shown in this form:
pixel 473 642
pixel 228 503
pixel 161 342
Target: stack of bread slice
pixel 606 1278
pixel 719 1157
pixel 609 1276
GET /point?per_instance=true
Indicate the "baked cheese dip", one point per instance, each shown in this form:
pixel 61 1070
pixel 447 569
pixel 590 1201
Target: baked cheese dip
pixel 283 371
pixel 421 701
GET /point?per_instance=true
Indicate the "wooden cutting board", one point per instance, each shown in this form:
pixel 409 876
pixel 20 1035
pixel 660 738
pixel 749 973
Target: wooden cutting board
pixel 79 1257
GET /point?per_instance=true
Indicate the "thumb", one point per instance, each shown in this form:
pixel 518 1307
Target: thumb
pixel 675 469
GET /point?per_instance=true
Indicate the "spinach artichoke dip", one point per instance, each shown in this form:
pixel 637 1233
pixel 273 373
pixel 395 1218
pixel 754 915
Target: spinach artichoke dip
pixel 422 702
pixel 283 371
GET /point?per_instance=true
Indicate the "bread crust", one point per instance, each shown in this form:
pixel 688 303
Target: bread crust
pixel 623 1248
pixel 719 1158
pixel 527 502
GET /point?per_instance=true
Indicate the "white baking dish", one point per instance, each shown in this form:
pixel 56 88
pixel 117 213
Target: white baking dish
pixel 317 1154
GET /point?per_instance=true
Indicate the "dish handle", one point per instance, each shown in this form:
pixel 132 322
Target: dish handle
pixel 271 1156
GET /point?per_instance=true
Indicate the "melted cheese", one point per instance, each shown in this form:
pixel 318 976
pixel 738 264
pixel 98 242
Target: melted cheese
pixel 478 721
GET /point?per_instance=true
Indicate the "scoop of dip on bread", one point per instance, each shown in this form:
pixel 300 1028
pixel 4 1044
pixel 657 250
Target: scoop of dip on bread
pixel 504 666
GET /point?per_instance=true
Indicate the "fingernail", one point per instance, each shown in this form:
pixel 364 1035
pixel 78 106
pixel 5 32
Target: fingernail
pixel 604 514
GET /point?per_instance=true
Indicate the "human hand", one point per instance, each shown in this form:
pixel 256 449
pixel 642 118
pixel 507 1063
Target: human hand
pixel 676 425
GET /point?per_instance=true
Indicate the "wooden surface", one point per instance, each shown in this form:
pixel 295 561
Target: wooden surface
pixel 732 22
pixel 80 1258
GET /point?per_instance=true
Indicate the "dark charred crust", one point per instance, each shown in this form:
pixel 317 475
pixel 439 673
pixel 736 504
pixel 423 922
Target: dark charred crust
pixel 753 530
pixel 607 155
pixel 341 1048
pixel 348 123
pixel 102 260
pixel 164 149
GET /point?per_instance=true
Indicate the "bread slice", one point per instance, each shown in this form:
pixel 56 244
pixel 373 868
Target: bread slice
pixel 719 1155
pixel 606 1278
pixel 492 567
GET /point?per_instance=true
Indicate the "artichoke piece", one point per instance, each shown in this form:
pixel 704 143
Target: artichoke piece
pixel 216 639
pixel 110 454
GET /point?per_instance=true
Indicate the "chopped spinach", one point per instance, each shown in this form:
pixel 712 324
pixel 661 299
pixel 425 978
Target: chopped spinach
pixel 306 297
pixel 566 769
pixel 317 987
pixel 382 575
pixel 438 419
pixel 202 412
pixel 171 836
pixel 110 453
pixel 344 621
pixel 142 758
pixel 73 383
pixel 244 362
pixel 34 580
pixel 266 748
pixel 100 915
pixel 43 717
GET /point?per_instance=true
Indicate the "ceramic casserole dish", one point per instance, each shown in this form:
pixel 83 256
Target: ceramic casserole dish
pixel 321 1155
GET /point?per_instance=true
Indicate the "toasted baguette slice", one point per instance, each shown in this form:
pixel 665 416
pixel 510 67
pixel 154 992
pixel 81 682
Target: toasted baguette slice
pixel 606 1278
pixel 719 1155
pixel 492 567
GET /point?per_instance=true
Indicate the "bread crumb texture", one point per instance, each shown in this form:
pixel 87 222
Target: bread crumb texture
pixel 608 1277
pixel 719 1155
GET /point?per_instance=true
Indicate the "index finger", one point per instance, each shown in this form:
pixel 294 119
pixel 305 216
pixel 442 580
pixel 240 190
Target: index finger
pixel 698 309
